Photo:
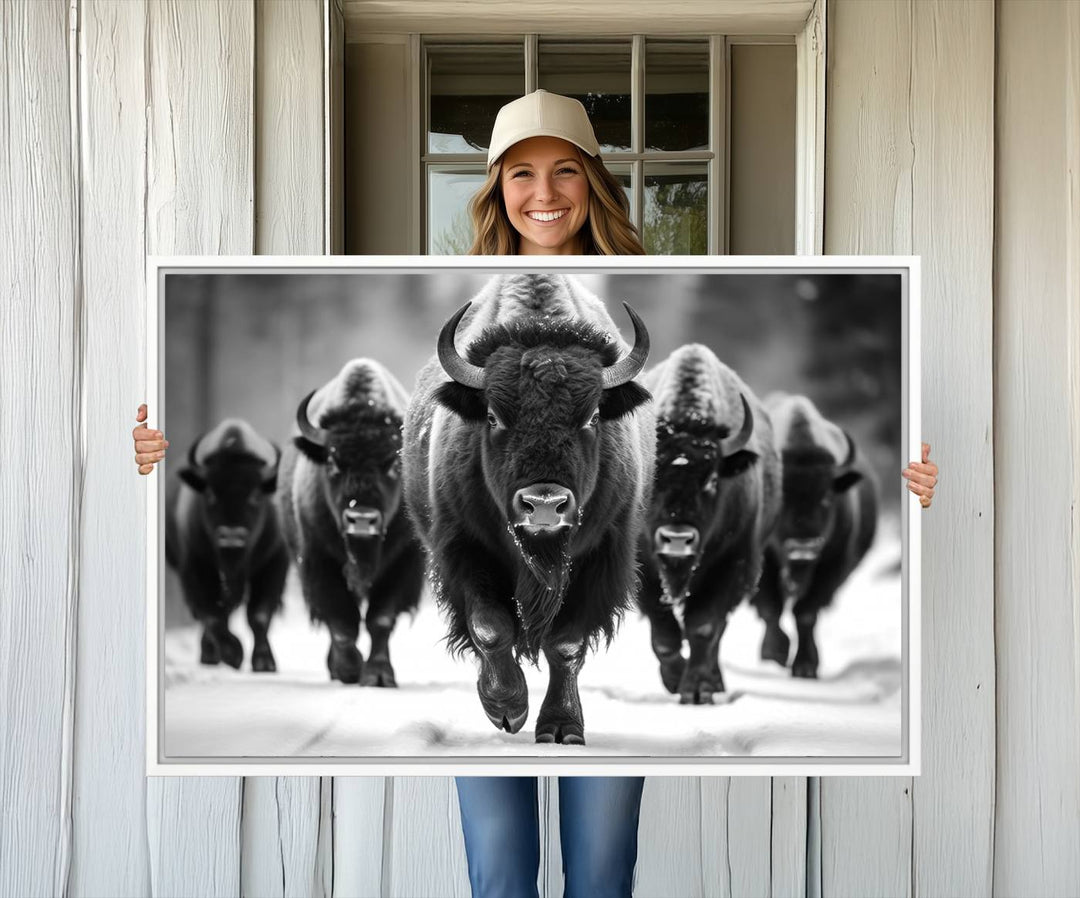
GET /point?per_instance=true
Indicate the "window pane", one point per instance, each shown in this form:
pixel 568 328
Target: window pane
pixel 466 87
pixel 449 192
pixel 597 74
pixel 676 95
pixel 676 209
pixel 623 175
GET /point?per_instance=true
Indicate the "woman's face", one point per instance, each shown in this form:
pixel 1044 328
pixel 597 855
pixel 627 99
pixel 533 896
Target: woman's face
pixel 546 195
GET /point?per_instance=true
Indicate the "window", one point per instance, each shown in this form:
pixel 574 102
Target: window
pixel 651 103
pixel 702 132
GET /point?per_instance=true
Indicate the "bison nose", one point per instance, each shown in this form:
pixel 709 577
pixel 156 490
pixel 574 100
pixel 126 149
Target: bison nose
pixel 362 521
pixel 677 540
pixel 231 537
pixel 546 506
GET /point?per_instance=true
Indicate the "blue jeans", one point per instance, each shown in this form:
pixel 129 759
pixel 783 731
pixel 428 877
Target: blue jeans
pixel 598 821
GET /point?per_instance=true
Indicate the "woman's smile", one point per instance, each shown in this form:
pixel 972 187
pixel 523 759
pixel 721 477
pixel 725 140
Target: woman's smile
pixel 546 216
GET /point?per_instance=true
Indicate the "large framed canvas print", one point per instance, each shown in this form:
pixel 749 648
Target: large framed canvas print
pixel 508 515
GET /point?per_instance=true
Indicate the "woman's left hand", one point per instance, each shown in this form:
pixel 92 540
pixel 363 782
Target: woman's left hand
pixel 922 477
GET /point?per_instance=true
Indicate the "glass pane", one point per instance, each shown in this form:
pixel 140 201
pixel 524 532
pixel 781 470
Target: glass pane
pixel 449 192
pixel 676 209
pixel 466 87
pixel 624 176
pixel 597 74
pixel 676 95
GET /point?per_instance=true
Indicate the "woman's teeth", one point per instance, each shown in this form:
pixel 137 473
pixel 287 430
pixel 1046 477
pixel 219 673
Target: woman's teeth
pixel 546 216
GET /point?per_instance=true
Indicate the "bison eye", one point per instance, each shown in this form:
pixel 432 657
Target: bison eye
pixel 595 419
pixel 493 422
pixel 332 466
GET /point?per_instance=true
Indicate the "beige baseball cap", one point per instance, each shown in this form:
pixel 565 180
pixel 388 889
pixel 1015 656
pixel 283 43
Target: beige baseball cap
pixel 541 114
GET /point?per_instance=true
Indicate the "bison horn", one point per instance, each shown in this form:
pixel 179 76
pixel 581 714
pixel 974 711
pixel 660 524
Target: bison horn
pixel 465 373
pixel 850 460
pixel 630 365
pixel 730 445
pixel 312 433
pixel 194 464
pixel 271 470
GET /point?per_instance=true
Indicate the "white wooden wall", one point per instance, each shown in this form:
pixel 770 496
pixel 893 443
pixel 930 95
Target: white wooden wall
pixel 194 126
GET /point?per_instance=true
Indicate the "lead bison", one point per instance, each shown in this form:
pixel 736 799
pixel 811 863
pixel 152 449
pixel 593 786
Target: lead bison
pixel 340 497
pixel 527 470
pixel 827 525
pixel 223 538
pixel 715 500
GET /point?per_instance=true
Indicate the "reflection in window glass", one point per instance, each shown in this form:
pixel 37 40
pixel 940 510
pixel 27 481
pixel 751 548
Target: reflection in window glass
pixel 676 209
pixel 623 176
pixel 676 95
pixel 449 192
pixel 597 74
pixel 467 84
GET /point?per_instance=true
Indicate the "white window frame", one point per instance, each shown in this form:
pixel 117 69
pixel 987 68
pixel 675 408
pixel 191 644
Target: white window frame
pixel 808 35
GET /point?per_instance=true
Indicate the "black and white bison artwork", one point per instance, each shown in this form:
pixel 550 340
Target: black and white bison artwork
pixel 716 499
pixel 528 464
pixel 223 538
pixel 828 521
pixel 340 499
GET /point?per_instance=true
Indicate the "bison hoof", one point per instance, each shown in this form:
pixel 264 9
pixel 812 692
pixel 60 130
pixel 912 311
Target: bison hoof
pixel 671 673
pixel 262 661
pixel 378 673
pixel 775 647
pixel 345 663
pixel 510 714
pixel 208 650
pixel 232 652
pixel 510 723
pixel 504 695
pixel 699 690
pixel 560 733
pixel 804 669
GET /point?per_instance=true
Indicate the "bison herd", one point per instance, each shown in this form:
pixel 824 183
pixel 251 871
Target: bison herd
pixel 546 483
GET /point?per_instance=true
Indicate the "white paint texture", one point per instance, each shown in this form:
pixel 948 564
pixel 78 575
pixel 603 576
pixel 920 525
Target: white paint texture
pixel 199 200
pixel 141 128
pixel 909 152
pixel 109 819
pixel 282 816
pixel 1036 847
pixel 40 430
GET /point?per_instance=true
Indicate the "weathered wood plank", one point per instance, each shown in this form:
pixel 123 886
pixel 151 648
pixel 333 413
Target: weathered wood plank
pixel 736 826
pixel 425 857
pixel 670 837
pixel 199 200
pixel 1037 820
pixel 193 829
pixel 789 800
pixel 109 774
pixel 280 837
pixel 363 806
pixel 952 130
pixel 40 433
pixel 869 158
pixel 280 832
pixel 866 837
pixel 289 127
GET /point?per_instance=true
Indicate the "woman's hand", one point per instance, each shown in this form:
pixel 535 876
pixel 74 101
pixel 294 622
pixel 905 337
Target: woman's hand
pixel 922 477
pixel 149 444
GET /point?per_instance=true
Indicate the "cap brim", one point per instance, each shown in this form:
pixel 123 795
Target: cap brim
pixel 496 152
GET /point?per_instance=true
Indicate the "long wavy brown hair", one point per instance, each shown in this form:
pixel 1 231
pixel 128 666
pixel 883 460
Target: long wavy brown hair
pixel 607 231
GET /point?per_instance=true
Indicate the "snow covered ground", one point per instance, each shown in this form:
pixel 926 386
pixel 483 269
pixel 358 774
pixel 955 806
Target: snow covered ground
pixel 853 709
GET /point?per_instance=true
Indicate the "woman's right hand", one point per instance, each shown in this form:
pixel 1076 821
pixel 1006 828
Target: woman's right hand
pixel 149 444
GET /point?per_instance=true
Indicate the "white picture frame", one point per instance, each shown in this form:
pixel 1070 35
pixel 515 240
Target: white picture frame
pixel 563 762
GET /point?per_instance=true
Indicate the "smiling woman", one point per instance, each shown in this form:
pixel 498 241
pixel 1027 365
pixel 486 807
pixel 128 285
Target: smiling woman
pixel 547 191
